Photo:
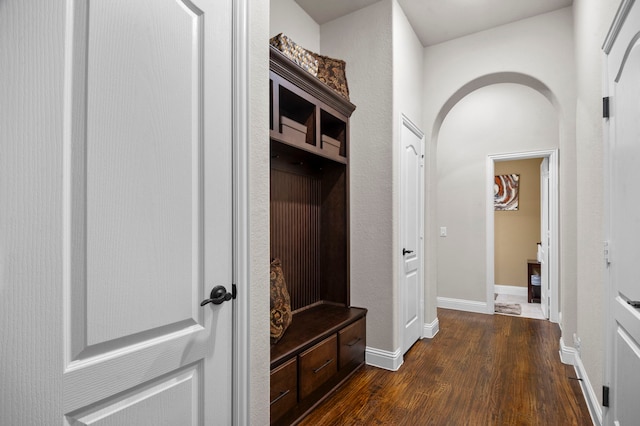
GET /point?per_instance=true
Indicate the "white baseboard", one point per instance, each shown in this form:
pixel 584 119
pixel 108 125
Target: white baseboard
pixel 462 305
pixel 430 330
pixel 384 359
pixel 589 394
pixel 511 290
pixel 568 354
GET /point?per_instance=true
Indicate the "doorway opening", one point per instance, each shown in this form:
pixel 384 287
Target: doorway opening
pixel 510 269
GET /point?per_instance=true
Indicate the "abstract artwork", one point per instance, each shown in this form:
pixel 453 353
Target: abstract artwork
pixel 505 192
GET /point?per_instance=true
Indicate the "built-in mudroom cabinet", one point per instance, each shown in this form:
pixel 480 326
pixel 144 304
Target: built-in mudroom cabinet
pixel 309 137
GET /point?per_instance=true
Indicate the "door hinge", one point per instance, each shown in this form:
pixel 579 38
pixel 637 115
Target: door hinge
pixel 605 107
pixel 605 396
pixel 607 253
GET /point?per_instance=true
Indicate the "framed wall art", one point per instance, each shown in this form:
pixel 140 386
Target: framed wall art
pixel 505 192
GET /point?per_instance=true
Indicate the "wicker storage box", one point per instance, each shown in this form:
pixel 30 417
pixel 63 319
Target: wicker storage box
pixel 333 73
pixel 330 71
pixel 296 53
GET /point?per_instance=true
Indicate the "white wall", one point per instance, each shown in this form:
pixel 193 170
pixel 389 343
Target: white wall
pixel 592 20
pixel 407 68
pixel 408 61
pixel 368 55
pixel 287 17
pixel 258 217
pixel 500 118
pixel 537 52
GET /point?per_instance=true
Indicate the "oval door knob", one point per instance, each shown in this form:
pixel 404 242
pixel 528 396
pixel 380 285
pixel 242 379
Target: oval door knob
pixel 218 295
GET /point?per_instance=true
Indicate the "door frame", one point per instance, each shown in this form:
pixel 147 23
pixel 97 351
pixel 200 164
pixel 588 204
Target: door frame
pixel 240 383
pixel 554 257
pixel 412 127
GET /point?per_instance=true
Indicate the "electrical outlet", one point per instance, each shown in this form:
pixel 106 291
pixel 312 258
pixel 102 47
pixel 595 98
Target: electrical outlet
pixel 443 231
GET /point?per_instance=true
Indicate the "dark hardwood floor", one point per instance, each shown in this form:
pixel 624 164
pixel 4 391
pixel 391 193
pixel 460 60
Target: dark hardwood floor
pixel 478 370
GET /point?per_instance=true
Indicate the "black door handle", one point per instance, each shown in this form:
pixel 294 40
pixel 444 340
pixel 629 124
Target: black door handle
pixel 634 303
pixel 219 294
pixel 405 251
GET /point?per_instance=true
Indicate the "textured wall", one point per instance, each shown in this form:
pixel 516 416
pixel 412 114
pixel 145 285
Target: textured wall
pixel 540 48
pixel 369 72
pixel 592 20
pixel 258 75
pixel 500 118
pixel 407 82
pixel 287 17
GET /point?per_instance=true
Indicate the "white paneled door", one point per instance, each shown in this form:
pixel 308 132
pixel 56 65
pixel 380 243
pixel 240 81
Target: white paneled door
pixel 130 169
pixel 411 213
pixel 623 69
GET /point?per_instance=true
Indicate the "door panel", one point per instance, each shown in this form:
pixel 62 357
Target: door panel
pixel 627 378
pixel 411 214
pixel 143 154
pixel 170 401
pixel 147 211
pixel 624 222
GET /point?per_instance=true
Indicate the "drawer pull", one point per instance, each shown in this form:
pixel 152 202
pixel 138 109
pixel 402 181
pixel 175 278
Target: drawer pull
pixel 279 397
pixel 329 361
pixel 354 341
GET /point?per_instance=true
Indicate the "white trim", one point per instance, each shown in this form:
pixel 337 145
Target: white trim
pixel 430 330
pixel 560 321
pixel 241 236
pixel 510 290
pixel 554 209
pixel 616 25
pixel 384 359
pixel 568 354
pixel 595 409
pixel 463 305
pixel 406 121
pixel 490 238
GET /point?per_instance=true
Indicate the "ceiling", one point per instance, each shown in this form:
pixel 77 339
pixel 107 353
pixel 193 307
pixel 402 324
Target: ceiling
pixel 435 21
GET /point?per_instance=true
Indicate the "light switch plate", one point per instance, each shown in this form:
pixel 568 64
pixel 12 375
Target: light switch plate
pixel 443 231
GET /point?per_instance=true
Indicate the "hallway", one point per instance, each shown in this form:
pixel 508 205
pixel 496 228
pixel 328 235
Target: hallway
pixel 479 370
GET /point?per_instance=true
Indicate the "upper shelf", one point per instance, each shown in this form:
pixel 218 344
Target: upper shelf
pixel 283 66
pixel 306 113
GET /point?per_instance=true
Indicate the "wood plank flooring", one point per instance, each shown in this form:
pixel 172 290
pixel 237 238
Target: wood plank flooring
pixel 478 370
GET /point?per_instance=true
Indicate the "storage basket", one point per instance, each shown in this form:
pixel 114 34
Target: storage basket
pixel 298 54
pixel 330 71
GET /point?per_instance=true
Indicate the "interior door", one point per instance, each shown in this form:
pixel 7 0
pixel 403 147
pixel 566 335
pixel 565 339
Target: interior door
pixel 411 217
pixel 545 237
pixel 624 222
pixel 147 230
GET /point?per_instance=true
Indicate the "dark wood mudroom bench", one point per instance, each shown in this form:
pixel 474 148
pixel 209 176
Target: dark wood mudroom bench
pixel 324 345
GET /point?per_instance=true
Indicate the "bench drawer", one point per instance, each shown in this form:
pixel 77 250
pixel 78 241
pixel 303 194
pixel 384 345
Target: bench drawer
pixel 352 341
pixel 317 365
pixel 284 388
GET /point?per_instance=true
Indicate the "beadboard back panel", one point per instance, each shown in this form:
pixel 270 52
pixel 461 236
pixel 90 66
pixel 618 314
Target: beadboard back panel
pixel 295 234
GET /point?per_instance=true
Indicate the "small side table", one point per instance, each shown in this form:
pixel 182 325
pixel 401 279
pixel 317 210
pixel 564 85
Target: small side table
pixel 533 293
